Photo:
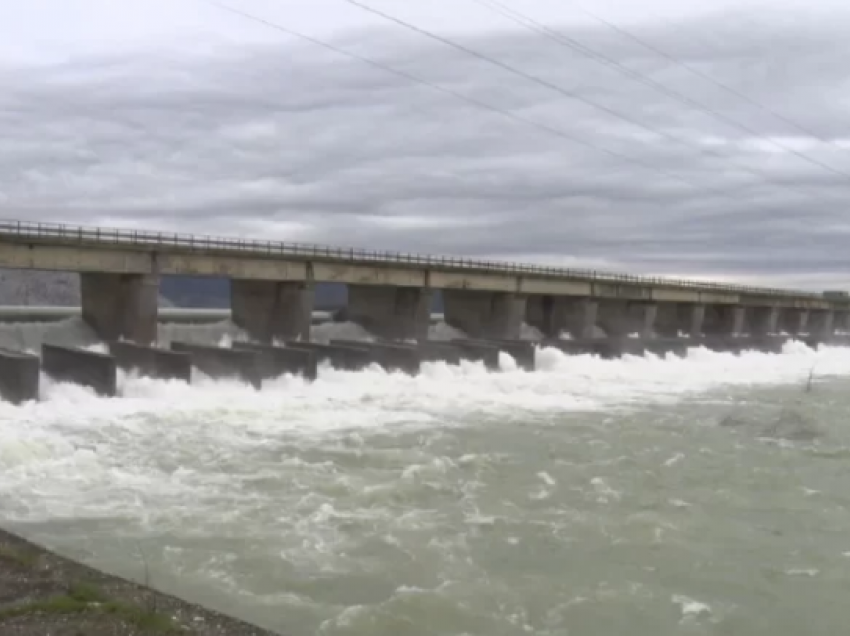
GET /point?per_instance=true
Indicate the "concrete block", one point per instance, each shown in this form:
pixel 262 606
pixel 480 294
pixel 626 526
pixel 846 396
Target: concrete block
pixel 483 314
pixel 345 358
pixel 570 347
pixel 120 306
pixel 97 371
pixel 278 361
pixel 479 352
pixel 397 313
pixel 520 350
pixel 436 351
pixel 391 357
pixel 19 376
pixel 272 310
pixel 665 346
pixel 152 362
pixel 218 362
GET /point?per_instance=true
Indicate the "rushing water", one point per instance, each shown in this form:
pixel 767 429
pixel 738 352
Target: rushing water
pixel 642 496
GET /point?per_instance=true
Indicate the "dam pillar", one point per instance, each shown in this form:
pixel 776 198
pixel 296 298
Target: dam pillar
pixel 394 313
pixel 821 323
pixel 724 320
pixel 794 321
pixel 762 321
pixel 482 314
pixel 120 306
pixel 553 315
pixel 620 318
pixel 674 319
pixel 272 310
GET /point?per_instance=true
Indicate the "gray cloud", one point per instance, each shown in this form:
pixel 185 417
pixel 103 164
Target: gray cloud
pixel 295 143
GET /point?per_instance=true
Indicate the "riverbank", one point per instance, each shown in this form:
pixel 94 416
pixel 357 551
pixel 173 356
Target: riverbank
pixel 42 593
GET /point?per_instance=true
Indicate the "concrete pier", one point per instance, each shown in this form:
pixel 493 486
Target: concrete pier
pixel 342 357
pixel 391 357
pixel 152 362
pixel 484 314
pixel 620 318
pixel 674 319
pixel 278 361
pixel 19 376
pixel 553 315
pixel 97 371
pixel 219 363
pixel 762 321
pixel 821 324
pixel 272 310
pixel 724 320
pixel 120 306
pixel 794 321
pixel 394 313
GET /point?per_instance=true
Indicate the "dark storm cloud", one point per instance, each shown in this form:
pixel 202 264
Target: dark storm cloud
pixel 295 143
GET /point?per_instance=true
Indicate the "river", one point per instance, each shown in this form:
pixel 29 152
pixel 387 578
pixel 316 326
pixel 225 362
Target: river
pixel 641 496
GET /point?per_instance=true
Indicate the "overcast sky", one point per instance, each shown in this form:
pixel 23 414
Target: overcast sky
pixel 673 140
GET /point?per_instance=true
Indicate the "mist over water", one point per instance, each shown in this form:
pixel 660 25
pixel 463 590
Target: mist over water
pixel 645 496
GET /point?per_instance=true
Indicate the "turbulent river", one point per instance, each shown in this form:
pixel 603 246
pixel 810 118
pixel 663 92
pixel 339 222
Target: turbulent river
pixel 642 496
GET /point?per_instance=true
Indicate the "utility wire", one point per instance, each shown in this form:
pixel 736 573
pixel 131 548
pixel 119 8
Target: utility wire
pixel 571 94
pixel 471 100
pixel 732 91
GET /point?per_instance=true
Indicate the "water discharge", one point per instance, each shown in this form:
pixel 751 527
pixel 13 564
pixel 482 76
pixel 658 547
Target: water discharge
pixel 641 496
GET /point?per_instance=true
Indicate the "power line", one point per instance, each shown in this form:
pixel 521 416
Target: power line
pixel 470 100
pixel 695 71
pixel 565 92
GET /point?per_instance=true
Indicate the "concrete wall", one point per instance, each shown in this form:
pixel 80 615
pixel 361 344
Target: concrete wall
pixel 19 376
pixel 278 361
pixel 120 306
pixel 94 370
pixel 396 313
pixel 621 318
pixel 553 315
pixel 726 320
pixel 485 314
pixel 152 362
pixel 390 356
pixel 343 357
pixel 218 362
pixel 272 310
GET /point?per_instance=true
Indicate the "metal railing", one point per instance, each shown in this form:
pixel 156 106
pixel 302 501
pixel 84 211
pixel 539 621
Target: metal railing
pixel 162 240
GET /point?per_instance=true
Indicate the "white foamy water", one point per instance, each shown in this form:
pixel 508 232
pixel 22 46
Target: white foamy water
pixel 588 497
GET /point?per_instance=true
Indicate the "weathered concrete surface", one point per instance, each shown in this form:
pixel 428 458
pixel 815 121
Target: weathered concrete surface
pixel 724 320
pixel 479 352
pixel 794 321
pixel 272 310
pixel 278 361
pixel 19 376
pixel 522 351
pixel 97 371
pixel 762 321
pixel 151 361
pixel 674 319
pixel 395 313
pixel 92 252
pixel 390 356
pixel 219 363
pixel 120 306
pixel 484 314
pixel 554 315
pixel 821 323
pixel 343 357
pixel 434 351
pixel 620 318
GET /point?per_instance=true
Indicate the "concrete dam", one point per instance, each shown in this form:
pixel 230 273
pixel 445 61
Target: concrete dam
pixel 389 295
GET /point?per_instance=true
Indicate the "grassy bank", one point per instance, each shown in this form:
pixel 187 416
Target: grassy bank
pixel 42 593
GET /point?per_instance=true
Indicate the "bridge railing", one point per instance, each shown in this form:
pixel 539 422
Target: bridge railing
pixel 144 238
